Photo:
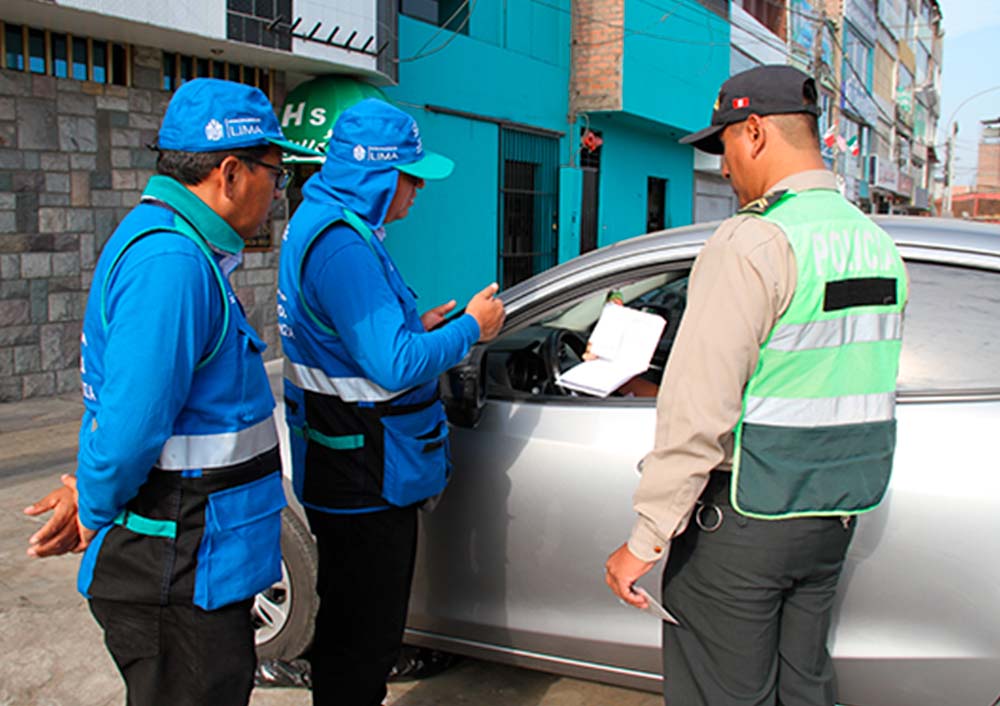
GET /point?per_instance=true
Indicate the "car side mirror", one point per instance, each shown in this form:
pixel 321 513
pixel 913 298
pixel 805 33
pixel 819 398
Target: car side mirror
pixel 463 389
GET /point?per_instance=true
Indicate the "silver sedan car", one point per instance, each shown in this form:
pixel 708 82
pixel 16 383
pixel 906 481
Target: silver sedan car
pixel 510 564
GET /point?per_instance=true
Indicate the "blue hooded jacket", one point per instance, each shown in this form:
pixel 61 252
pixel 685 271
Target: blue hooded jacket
pixel 351 332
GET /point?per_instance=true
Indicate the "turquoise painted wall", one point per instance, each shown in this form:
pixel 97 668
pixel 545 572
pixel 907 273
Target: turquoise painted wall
pixel 513 65
pixel 633 151
pixel 446 248
pixel 675 59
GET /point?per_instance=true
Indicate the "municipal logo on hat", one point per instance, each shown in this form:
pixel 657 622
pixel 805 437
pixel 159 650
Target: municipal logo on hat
pixel 211 115
pixel 213 130
pixel 243 127
pixel 374 135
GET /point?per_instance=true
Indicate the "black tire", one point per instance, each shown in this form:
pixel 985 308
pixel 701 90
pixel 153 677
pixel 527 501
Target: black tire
pixel 285 614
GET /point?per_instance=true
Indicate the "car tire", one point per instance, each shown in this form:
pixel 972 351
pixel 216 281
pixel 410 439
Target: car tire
pixel 284 615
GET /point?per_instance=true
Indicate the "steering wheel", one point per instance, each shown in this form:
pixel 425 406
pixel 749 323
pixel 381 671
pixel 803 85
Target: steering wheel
pixel 561 350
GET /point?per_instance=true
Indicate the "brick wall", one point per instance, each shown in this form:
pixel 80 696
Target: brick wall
pixel 988 173
pixel 73 162
pixel 598 44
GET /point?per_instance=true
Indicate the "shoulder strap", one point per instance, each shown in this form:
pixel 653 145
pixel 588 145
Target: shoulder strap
pixel 203 246
pixel 357 225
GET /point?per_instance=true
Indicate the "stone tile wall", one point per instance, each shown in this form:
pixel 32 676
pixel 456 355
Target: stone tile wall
pixel 73 162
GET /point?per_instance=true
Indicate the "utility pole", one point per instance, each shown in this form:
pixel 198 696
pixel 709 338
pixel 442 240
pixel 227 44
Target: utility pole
pixel 949 172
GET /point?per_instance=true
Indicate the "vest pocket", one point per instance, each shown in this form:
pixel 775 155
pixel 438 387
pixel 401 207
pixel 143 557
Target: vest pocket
pixel 416 455
pixel 240 550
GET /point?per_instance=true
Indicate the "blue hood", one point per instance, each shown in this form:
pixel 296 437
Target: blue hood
pixel 365 190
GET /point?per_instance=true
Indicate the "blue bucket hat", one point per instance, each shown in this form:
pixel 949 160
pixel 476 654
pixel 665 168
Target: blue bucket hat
pixel 210 115
pixel 375 135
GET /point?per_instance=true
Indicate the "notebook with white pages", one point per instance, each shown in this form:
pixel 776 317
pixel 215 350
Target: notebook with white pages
pixel 624 341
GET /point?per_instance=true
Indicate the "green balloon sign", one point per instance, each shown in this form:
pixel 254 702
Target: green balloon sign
pixel 311 109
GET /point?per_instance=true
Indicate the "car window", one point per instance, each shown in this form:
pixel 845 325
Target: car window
pixel 951 330
pixel 526 360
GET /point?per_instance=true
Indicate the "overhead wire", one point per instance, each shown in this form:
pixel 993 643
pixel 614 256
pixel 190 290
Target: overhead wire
pixel 454 33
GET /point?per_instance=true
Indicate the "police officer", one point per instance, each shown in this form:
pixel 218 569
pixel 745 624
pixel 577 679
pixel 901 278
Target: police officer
pixel 368 433
pixel 178 477
pixel 775 419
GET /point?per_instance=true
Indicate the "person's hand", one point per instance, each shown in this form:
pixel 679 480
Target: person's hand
pixel 623 569
pixel 436 316
pixel 487 311
pixel 588 354
pixel 61 533
pixel 86 534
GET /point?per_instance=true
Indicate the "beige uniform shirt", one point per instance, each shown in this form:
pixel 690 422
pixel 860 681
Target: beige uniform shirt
pixel 741 283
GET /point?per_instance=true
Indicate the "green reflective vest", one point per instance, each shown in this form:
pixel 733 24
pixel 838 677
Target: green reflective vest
pixel 818 428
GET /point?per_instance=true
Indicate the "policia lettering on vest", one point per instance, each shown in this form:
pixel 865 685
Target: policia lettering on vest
pixel 776 414
pixel 178 479
pixel 369 438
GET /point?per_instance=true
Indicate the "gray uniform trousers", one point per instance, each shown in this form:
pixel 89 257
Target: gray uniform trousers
pixel 754 599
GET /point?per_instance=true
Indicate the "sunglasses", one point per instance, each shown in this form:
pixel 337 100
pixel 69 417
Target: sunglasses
pixel 282 175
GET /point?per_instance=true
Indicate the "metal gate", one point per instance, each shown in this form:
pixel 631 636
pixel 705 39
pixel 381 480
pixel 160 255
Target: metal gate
pixel 528 203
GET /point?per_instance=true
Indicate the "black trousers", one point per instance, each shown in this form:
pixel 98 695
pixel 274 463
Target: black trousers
pixel 754 599
pixel 180 655
pixel 365 572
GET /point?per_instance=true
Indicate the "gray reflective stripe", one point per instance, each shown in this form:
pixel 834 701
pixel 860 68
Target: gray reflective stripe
pixel 860 328
pixel 218 450
pixel 347 389
pixel 822 411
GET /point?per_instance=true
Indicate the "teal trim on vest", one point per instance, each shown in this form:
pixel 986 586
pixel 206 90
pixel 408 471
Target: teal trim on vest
pixel 201 245
pixel 338 443
pixel 209 224
pixel 146 526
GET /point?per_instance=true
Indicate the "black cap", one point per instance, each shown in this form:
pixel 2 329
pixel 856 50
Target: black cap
pixel 764 90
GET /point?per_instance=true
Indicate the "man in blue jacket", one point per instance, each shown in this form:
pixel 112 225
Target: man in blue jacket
pixel 369 434
pixel 178 477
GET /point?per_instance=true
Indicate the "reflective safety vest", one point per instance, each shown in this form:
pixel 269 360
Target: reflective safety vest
pixel 818 428
pixel 356 446
pixel 205 527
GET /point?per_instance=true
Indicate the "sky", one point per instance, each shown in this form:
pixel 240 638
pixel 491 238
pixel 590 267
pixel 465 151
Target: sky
pixel 970 64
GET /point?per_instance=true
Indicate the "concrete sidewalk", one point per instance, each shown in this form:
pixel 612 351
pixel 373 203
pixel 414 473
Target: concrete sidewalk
pixel 52 651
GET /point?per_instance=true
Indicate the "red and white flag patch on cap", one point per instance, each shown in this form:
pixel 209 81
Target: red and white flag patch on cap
pixel 743 102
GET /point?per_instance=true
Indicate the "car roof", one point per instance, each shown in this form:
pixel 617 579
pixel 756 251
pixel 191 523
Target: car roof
pixel 913 231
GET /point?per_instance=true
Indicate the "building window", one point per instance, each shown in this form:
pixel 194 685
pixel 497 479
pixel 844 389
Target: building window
pixel 99 70
pixel 13 48
pixel 858 54
pixel 41 51
pixel 529 197
pixel 60 56
pixel 36 51
pixel 450 14
pixel 656 204
pixel 178 69
pixel 770 13
pixel 248 20
pixel 79 60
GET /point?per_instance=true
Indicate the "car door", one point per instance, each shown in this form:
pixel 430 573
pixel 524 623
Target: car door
pixel 917 622
pixel 512 559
